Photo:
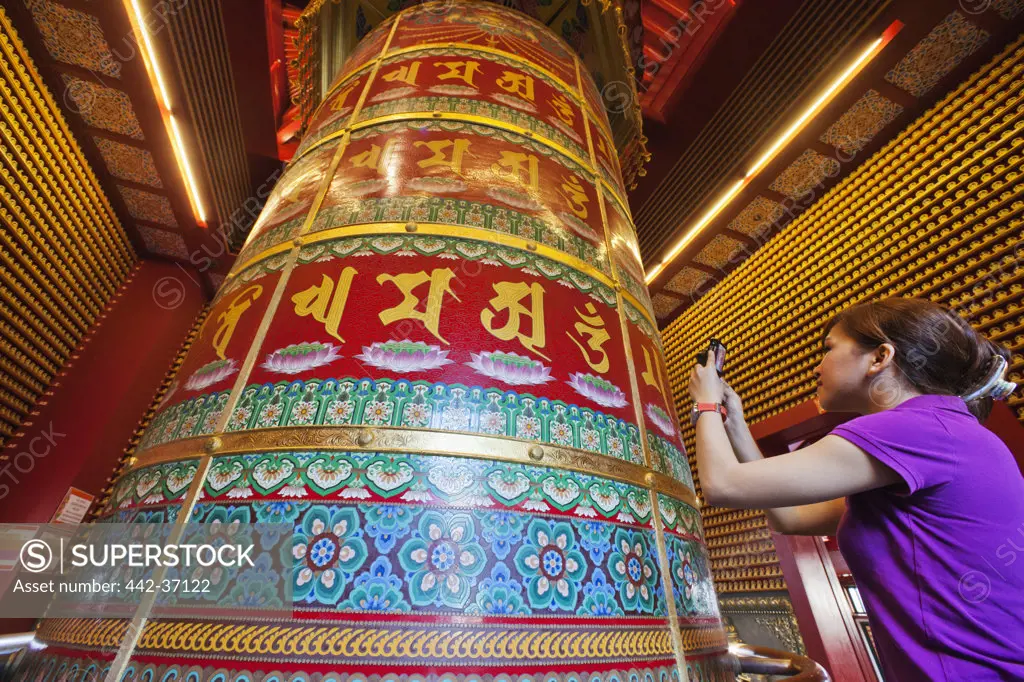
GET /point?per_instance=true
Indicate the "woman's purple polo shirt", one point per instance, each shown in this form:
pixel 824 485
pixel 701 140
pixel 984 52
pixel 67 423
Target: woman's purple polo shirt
pixel 939 559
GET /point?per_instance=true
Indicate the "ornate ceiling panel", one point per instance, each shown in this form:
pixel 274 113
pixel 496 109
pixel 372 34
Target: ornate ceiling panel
pixel 89 55
pixel 808 170
pixel 74 37
pixel 938 54
pixel 102 107
pixel 127 162
pixel 148 206
pixel 861 122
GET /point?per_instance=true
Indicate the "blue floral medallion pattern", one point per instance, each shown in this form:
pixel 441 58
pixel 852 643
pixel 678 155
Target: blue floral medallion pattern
pixel 551 565
pixel 442 560
pixel 327 548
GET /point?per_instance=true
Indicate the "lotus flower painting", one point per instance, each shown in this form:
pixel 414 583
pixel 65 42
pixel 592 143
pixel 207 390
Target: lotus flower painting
pixel 514 198
pixel 404 356
pixel 594 388
pixel 300 357
pixel 579 227
pixel 437 185
pixel 514 102
pixel 510 368
pixel 453 90
pixel 363 187
pixel 211 373
pixel 660 419
pixel 394 93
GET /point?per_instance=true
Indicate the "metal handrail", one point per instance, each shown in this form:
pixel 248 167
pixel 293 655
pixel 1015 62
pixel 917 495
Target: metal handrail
pixel 759 660
pixel 13 642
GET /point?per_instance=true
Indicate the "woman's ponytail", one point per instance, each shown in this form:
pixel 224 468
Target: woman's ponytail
pixel 987 378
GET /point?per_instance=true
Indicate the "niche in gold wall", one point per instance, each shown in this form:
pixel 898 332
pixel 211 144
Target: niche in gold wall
pixel 63 252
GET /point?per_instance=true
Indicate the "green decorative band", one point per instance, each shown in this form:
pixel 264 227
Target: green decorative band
pixel 375 478
pixel 667 458
pixel 436 210
pixel 638 316
pixel 637 291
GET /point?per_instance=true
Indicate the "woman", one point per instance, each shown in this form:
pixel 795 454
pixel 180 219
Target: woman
pixel 927 503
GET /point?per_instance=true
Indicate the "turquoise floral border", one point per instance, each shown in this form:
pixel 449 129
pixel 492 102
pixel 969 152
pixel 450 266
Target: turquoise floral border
pixel 399 478
pixel 667 459
pixel 463 213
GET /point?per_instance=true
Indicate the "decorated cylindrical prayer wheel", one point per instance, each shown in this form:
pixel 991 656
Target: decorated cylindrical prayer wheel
pixel 436 359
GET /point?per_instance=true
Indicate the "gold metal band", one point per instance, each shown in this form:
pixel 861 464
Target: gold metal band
pixel 411 440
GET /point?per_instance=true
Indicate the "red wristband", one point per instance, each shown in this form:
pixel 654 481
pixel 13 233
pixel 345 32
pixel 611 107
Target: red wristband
pixel 698 408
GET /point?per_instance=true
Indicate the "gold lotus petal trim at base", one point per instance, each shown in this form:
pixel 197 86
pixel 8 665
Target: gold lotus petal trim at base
pixel 442 230
pixel 407 440
pixel 503 644
pixel 490 643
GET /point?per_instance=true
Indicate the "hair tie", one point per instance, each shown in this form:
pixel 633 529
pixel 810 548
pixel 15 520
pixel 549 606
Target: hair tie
pixel 995 384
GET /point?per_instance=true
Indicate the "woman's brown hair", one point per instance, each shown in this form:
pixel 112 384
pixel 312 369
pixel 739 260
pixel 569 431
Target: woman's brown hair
pixel 937 351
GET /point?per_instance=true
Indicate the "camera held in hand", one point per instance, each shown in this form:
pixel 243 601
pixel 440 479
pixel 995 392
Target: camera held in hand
pixel 718 348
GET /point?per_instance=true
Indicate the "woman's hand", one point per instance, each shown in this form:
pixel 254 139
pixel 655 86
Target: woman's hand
pixel 705 384
pixel 733 404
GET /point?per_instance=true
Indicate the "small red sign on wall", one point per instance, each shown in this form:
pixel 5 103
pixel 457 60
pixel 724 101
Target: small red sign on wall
pixel 74 506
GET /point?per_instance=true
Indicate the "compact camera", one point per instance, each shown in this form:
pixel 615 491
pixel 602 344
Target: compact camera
pixel 718 348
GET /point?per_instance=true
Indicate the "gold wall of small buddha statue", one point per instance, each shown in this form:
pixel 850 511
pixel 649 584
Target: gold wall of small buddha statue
pixel 63 252
pixel 936 214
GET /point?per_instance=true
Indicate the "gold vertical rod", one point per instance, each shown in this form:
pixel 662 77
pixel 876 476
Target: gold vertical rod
pixel 373 73
pixel 659 534
pixel 666 577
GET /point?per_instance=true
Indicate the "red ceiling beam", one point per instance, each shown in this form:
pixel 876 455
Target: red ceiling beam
pixel 675 8
pixel 684 55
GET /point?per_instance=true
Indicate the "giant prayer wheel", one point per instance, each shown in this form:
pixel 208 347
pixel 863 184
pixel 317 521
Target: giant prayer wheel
pixel 436 358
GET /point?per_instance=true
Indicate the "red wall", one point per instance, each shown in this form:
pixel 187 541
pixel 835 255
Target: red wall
pixel 82 425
